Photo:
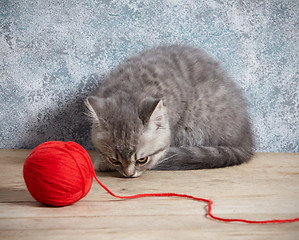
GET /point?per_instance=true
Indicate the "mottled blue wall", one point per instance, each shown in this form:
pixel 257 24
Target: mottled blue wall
pixel 54 53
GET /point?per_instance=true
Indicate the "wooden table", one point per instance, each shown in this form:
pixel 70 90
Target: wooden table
pixel 265 188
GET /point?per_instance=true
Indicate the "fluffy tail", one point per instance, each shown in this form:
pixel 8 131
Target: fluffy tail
pixel 200 157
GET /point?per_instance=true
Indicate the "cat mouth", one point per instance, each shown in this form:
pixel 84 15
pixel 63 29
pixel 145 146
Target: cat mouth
pixel 134 175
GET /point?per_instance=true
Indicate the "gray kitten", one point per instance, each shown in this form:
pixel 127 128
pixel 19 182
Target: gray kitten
pixel 169 108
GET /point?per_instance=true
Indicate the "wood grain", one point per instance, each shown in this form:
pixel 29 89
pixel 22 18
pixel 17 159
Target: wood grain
pixel 265 188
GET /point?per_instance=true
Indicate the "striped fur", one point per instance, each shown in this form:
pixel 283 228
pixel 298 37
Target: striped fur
pixel 205 123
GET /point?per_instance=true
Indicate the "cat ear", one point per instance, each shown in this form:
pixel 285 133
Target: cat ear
pixel 146 108
pixel 158 117
pixel 95 106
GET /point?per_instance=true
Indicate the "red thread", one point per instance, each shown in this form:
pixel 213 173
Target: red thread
pixel 209 202
pixel 78 153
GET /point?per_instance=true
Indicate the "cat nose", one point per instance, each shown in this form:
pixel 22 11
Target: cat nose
pixel 129 174
pixel 130 170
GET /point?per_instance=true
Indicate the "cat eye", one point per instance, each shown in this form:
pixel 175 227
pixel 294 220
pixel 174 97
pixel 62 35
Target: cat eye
pixel 142 160
pixel 114 161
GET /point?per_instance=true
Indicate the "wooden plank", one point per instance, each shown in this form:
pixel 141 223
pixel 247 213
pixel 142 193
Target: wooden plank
pixel 264 188
pixel 123 226
pixel 236 233
pixel 155 207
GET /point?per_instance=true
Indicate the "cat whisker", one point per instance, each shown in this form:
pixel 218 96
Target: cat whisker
pixel 165 159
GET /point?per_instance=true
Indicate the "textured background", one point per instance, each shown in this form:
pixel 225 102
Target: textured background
pixel 55 53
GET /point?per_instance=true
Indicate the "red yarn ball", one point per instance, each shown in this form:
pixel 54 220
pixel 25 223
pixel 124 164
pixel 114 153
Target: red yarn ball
pixel 58 173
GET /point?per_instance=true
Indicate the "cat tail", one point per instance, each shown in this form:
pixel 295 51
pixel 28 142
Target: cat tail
pixel 203 157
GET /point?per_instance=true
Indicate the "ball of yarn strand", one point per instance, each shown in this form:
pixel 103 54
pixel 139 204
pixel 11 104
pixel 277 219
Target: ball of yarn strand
pixel 58 173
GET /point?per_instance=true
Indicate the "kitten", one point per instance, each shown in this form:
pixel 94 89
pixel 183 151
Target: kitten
pixel 169 108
